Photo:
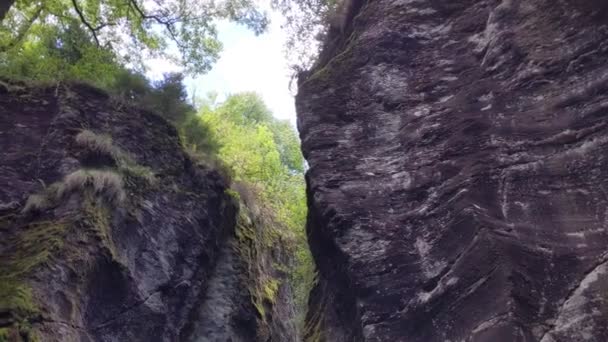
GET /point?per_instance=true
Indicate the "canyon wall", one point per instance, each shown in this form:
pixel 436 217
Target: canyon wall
pixel 458 181
pixel 110 231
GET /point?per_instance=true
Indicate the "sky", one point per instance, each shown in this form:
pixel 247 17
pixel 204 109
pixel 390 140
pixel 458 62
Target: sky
pixel 247 63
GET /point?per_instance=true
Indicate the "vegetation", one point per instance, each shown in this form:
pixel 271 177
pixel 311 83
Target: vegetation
pixel 34 246
pixel 132 30
pixel 105 184
pixel 264 152
pixel 89 38
pixel 104 42
pixel 307 23
pixel 102 146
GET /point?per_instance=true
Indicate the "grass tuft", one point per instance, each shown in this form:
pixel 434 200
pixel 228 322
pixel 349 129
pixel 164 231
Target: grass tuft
pixel 105 184
pixel 98 143
pixel 103 145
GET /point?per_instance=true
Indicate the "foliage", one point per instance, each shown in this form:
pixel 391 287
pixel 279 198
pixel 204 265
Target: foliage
pixel 134 30
pixel 170 97
pixel 288 144
pixel 274 143
pixel 265 152
pixel 197 135
pixel 306 24
pixel 58 54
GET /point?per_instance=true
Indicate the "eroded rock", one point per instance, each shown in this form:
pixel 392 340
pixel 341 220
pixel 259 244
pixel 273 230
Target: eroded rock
pixel 457 181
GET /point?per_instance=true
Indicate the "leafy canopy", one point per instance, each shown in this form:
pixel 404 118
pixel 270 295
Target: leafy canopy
pixel 180 30
pixel 257 145
pixel 58 54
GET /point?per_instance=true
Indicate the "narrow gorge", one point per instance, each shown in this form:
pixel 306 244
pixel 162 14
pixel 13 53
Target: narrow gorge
pixel 456 181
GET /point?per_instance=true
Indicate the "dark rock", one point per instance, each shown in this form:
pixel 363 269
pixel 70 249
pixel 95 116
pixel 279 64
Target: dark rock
pixel 109 231
pixel 457 181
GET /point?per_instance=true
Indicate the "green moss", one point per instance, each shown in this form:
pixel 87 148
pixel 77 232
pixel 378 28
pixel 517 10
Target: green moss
pixel 281 267
pixel 16 298
pixel 313 328
pixel 264 295
pixel 259 306
pixel 233 194
pixel 26 330
pixel 21 331
pixel 245 233
pixel 4 334
pixel 97 219
pixel 335 65
pixel 258 236
pixel 32 247
pixel 314 332
pixel 271 289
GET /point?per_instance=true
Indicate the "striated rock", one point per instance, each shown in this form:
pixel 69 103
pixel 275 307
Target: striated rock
pixel 458 173
pixel 109 231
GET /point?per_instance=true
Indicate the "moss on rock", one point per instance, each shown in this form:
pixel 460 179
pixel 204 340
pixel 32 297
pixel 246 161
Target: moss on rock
pixel 32 247
pixel 258 238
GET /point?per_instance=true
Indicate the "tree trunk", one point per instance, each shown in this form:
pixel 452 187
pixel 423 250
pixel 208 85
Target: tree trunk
pixel 5 5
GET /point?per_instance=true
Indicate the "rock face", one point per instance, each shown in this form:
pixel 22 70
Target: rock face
pixel 109 231
pixel 458 182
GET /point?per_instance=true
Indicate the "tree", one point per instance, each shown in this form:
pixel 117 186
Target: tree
pixel 60 53
pixel 170 98
pixel 288 144
pixel 245 108
pixel 136 29
pixel 306 24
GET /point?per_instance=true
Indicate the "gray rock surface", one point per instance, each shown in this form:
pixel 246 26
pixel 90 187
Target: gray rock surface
pixel 109 231
pixel 458 182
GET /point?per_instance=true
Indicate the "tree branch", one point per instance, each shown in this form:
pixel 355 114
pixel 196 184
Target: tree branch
pixel 168 23
pixel 157 18
pixel 93 30
pixel 85 22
